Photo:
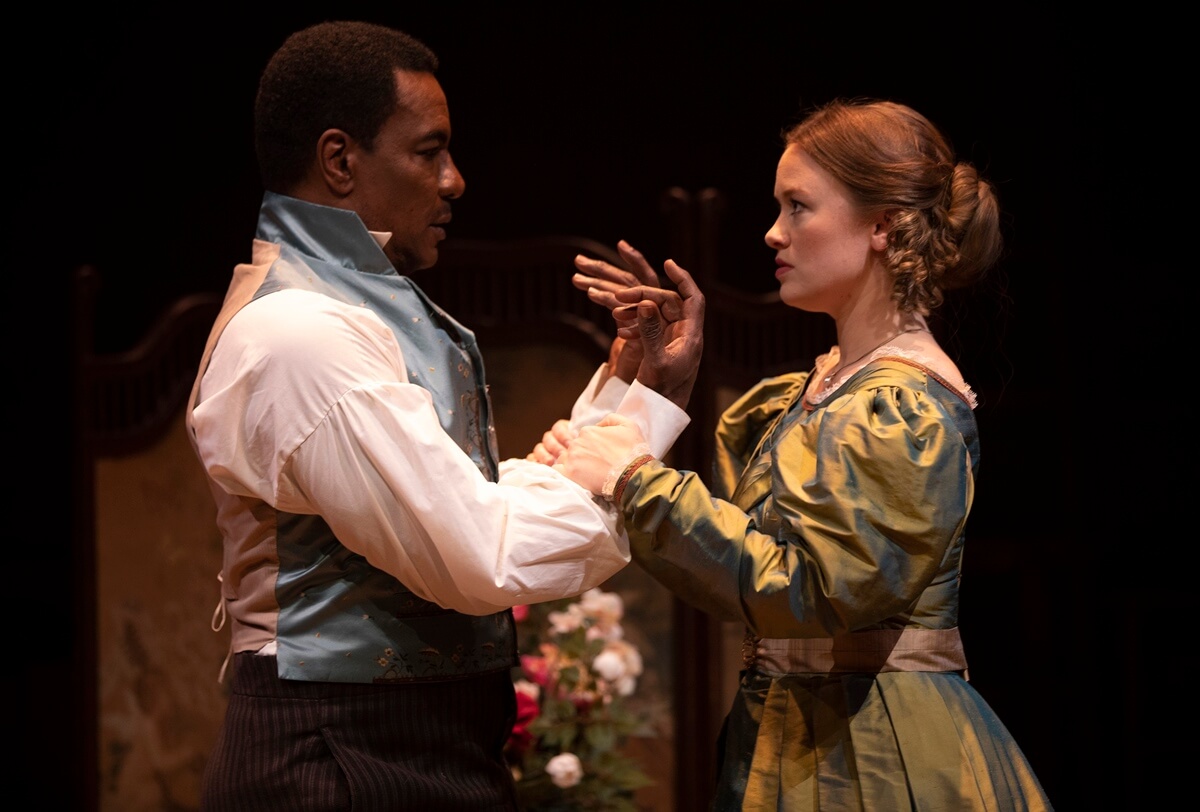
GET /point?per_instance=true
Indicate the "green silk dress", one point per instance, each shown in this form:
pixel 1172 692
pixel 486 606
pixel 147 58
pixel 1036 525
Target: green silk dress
pixel 834 532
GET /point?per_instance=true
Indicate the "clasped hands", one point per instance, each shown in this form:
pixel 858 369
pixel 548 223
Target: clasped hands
pixel 660 339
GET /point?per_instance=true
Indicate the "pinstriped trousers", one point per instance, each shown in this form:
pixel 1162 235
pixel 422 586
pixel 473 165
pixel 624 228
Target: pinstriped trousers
pixel 321 746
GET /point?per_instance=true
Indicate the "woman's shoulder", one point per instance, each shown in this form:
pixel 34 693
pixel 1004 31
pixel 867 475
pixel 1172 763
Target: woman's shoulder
pixel 937 376
pixel 892 391
pixel 767 397
pixel 744 420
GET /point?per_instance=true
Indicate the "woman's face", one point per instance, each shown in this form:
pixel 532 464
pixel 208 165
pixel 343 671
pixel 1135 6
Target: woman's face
pixel 824 246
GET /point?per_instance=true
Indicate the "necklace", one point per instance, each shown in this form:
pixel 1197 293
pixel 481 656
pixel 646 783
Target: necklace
pixel 893 337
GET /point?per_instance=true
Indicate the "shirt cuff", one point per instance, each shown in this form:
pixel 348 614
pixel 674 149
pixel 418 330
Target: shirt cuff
pixel 660 420
pixel 588 409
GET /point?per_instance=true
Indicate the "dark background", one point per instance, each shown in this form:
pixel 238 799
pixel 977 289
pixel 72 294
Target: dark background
pixel 133 152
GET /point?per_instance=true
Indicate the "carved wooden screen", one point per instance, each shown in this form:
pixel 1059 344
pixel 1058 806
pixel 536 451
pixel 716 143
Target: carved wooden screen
pixel 149 554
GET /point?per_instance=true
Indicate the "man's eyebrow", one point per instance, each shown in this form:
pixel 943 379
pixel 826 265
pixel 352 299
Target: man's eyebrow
pixel 441 136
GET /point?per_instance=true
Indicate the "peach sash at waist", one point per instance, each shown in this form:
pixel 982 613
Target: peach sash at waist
pixel 867 651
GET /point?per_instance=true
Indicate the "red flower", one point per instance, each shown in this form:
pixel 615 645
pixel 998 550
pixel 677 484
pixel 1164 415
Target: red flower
pixel 536 668
pixel 520 613
pixel 527 710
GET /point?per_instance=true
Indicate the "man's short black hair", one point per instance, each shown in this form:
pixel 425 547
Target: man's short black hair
pixel 331 75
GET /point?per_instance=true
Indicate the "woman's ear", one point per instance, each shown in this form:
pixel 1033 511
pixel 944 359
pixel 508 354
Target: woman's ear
pixel 333 161
pixel 882 227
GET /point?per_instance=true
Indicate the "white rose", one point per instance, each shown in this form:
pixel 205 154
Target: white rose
pixel 565 770
pixel 568 621
pixel 609 664
pixel 605 631
pixel 606 607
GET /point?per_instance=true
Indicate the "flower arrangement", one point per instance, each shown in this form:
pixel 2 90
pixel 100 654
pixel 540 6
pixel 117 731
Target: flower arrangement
pixel 574 707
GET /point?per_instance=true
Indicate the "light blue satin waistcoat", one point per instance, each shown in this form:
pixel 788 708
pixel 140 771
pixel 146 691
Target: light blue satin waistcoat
pixel 340 619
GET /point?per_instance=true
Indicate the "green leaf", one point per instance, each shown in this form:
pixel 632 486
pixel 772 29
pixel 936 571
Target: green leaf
pixel 601 737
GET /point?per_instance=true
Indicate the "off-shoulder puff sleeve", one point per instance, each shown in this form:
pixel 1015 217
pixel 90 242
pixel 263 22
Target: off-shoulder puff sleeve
pixel 744 424
pixel 838 522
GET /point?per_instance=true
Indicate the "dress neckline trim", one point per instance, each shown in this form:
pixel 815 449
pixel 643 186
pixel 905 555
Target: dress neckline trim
pixel 914 359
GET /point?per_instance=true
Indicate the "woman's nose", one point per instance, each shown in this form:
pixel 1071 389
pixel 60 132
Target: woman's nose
pixel 775 237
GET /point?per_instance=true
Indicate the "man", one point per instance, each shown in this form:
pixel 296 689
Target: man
pixel 374 544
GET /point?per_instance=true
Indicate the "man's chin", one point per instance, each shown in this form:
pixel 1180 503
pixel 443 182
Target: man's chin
pixel 426 262
pixel 411 263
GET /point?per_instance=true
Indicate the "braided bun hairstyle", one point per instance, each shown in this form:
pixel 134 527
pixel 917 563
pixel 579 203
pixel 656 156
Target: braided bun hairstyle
pixel 945 219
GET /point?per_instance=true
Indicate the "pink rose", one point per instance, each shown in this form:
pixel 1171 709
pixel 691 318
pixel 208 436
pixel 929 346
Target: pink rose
pixel 536 668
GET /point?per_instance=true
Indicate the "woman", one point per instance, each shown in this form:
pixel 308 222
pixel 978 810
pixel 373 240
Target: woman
pixel 834 529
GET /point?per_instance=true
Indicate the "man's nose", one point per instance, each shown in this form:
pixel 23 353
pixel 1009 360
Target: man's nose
pixel 451 184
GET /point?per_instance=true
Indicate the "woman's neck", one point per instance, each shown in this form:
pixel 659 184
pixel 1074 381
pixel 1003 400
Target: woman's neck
pixel 860 333
pixel 872 320
pixel 856 341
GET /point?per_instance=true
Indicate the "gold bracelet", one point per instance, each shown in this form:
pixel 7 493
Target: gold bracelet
pixel 619 488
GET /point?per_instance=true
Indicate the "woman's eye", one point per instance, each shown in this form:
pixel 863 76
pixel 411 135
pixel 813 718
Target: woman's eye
pixel 796 206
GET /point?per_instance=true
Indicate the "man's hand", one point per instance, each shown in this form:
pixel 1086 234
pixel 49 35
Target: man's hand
pixel 670 328
pixel 624 358
pixel 601 281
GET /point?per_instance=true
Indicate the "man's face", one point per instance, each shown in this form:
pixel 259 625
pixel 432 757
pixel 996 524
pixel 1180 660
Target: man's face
pixel 406 182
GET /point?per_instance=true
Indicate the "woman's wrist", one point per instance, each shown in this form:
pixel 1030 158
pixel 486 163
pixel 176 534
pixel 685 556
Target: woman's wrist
pixel 617 472
pixel 627 473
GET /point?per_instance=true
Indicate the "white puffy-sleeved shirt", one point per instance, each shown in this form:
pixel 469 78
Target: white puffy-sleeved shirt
pixel 305 407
